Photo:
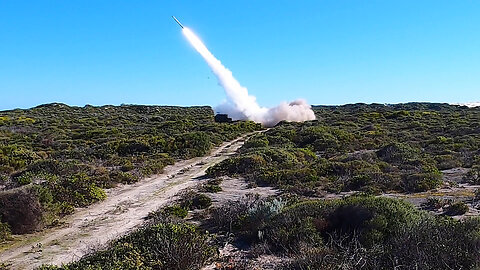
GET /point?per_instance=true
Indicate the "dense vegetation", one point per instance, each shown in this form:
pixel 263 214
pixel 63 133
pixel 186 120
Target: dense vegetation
pixel 165 241
pixel 163 246
pixel 55 157
pixel 371 148
pixel 358 232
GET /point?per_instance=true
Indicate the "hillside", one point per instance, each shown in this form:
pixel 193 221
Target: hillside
pixel 55 157
pixel 364 186
pixel 372 148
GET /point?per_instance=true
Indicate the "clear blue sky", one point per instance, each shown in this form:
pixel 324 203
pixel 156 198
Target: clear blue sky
pixel 329 52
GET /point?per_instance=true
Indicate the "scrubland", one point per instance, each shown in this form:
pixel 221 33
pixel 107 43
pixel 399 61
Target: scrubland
pixel 327 189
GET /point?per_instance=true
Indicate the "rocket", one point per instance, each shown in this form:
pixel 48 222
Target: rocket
pixel 177 21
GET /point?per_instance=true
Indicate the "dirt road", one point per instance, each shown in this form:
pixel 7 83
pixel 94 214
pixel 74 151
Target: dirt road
pixel 122 211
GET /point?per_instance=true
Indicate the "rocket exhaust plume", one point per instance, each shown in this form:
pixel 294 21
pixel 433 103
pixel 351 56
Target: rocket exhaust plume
pixel 241 105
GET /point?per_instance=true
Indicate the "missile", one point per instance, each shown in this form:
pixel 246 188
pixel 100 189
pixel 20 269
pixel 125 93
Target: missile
pixel 177 21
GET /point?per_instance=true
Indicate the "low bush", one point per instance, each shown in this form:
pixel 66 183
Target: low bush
pixel 228 217
pixel 165 246
pixel 477 194
pixel 310 223
pixel 201 201
pixel 193 200
pixel 427 243
pixel 24 179
pixel 21 210
pixel 258 215
pixel 473 176
pixel 211 188
pixel 398 153
pixel 337 254
pixel 456 209
pixel 123 177
pixel 434 243
pixel 445 162
pixel 5 232
pixel 435 203
pixel 78 190
pixel 421 181
pixel 340 233
pixel 176 211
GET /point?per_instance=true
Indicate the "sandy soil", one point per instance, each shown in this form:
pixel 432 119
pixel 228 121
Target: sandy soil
pixel 236 189
pixel 232 257
pixel 123 210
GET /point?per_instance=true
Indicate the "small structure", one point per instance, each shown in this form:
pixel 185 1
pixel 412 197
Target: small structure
pixel 222 118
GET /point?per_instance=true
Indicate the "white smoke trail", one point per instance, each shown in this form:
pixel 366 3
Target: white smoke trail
pixel 241 105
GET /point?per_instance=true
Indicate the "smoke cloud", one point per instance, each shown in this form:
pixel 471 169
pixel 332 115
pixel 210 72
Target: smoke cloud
pixel 240 105
pixel 468 104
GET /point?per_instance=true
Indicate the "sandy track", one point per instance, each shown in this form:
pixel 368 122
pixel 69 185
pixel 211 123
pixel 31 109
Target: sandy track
pixel 122 211
pixel 235 189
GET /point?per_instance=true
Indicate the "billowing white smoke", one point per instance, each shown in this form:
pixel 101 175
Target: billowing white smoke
pixel 468 104
pixel 240 104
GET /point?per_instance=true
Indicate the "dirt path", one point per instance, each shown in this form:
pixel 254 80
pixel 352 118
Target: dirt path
pixel 123 210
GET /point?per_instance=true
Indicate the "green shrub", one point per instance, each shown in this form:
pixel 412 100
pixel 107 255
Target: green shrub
pixel 24 179
pixel 434 243
pixel 5 232
pixel 21 210
pixel 421 181
pixel 132 147
pixel 66 208
pixel 123 177
pixel 201 201
pixel 445 162
pixel 192 144
pixel 176 211
pixel 456 209
pixel 163 246
pixel 258 215
pixel 256 141
pixel 212 188
pixel 77 190
pixel 228 217
pixel 236 165
pixel 424 242
pixel 156 164
pixel 374 219
pixel 473 175
pixel 398 153
pixel 127 166
pixel 193 200
pixel 435 203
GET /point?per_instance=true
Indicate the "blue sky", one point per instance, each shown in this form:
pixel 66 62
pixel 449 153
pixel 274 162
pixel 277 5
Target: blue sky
pixel 330 52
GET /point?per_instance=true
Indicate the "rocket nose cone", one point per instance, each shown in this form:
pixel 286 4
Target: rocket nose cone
pixel 177 21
